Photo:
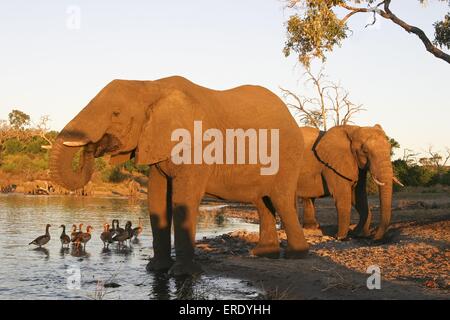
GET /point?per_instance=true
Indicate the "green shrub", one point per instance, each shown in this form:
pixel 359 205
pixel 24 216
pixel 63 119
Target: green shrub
pixel 100 164
pixel 113 175
pixel 13 146
pixel 34 146
pixel 413 175
pixel 143 169
pixel 22 163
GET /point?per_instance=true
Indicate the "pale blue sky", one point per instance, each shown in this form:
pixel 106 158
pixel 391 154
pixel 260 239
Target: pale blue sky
pixel 46 68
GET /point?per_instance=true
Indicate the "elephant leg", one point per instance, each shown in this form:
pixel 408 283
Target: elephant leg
pixel 344 208
pixel 268 245
pixel 159 206
pixel 361 204
pixel 285 206
pixel 365 219
pixel 309 214
pixel 187 194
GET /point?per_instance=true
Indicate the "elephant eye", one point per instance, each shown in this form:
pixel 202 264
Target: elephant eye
pixel 116 113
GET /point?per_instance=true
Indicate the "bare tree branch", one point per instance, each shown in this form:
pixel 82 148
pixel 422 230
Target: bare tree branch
pixel 331 102
pixel 388 14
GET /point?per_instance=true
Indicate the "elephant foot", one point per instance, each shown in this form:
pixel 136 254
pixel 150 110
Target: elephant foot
pixel 271 251
pixel 185 268
pixel 296 254
pixel 360 234
pixel 160 265
pixel 311 225
pixel 380 235
pixel 342 238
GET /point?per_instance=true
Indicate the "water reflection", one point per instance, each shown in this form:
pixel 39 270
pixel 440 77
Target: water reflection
pixel 44 273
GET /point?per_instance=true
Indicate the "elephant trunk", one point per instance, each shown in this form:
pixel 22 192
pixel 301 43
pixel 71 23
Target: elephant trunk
pixel 361 203
pixel 385 195
pixel 62 169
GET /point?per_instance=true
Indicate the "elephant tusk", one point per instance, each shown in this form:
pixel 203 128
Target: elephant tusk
pixel 74 143
pixel 397 182
pixel 377 181
pixel 46 147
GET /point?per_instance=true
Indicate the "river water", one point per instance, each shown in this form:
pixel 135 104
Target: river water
pixel 54 273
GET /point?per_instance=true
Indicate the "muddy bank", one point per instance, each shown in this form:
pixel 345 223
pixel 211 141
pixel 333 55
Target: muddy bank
pixel 414 259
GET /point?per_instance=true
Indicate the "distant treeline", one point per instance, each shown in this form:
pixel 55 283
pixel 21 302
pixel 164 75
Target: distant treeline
pixel 21 155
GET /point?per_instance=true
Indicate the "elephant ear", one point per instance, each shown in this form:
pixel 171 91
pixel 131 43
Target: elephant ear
pixel 334 151
pixel 174 111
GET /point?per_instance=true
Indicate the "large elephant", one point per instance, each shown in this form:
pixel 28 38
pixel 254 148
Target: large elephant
pixel 336 163
pixel 139 118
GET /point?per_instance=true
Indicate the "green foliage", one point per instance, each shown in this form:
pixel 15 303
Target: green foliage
pixel 442 32
pixel 315 28
pixel 34 145
pixel 143 169
pixel 131 167
pixel 414 175
pixel 13 146
pixel 394 145
pixel 314 32
pixel 445 178
pixel 19 164
pixel 18 119
pixel 100 164
pixel 113 175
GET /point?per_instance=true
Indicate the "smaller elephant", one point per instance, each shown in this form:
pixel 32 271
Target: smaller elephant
pixel 336 163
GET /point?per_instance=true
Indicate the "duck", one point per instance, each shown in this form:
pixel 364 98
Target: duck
pixel 123 236
pixel 73 234
pixel 113 229
pixel 138 230
pixel 106 236
pixel 118 228
pixel 84 237
pixel 42 240
pixel 78 233
pixel 65 239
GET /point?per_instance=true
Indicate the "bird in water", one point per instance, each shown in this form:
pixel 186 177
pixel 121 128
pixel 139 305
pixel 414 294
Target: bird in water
pixel 84 238
pixel 42 240
pixel 118 228
pixel 75 234
pixel 113 229
pixel 65 239
pixel 123 236
pixel 106 236
pixel 138 230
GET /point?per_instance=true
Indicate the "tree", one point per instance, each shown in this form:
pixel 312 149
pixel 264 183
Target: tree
pixel 436 159
pixel 316 27
pixel 394 145
pixel 18 119
pixel 43 129
pixel 330 103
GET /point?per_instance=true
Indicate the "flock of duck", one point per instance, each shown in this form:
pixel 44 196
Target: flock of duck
pixel 79 238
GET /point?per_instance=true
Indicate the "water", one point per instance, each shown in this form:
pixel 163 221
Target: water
pixel 52 273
